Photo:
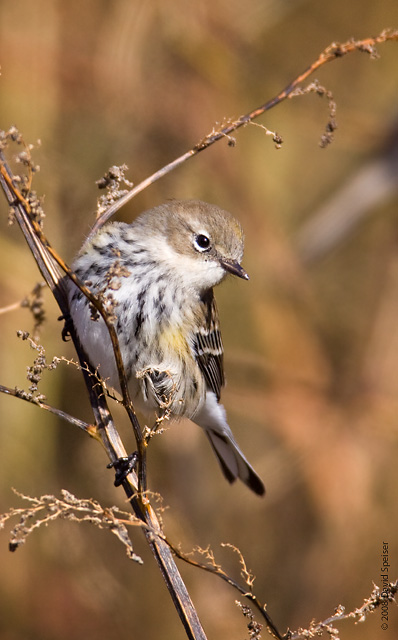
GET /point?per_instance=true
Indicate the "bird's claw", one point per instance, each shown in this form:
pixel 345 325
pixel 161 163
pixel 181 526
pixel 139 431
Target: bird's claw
pixel 68 326
pixel 123 466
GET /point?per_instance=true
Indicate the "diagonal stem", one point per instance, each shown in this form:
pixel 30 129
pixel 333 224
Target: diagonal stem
pixel 49 265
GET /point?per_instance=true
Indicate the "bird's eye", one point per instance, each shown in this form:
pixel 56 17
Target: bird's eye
pixel 201 242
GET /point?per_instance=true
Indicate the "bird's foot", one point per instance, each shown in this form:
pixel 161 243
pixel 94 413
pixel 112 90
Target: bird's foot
pixel 123 466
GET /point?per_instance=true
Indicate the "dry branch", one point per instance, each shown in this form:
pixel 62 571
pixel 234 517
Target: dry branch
pixel 333 52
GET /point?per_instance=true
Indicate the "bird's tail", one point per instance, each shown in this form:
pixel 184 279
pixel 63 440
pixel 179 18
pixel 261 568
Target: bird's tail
pixel 232 461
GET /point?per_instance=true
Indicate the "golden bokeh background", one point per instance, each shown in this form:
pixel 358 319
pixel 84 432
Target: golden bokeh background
pixel 311 340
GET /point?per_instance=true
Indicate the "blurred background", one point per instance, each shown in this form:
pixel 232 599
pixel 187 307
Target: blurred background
pixel 311 340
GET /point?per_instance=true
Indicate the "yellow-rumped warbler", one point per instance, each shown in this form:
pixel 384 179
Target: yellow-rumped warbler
pixel 158 273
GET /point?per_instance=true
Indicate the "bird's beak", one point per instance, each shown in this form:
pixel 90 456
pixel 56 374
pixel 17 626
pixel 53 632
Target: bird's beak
pixel 232 266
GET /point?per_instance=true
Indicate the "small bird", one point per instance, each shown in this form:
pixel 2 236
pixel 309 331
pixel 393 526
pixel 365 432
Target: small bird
pixel 156 277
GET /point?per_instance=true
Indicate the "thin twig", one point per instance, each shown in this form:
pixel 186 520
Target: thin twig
pixel 85 426
pixel 332 52
pixel 370 604
pixel 216 569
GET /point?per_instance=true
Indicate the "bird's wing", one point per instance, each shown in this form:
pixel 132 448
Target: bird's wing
pixel 207 344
